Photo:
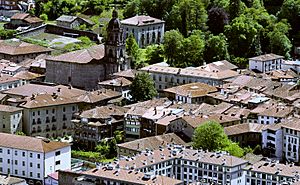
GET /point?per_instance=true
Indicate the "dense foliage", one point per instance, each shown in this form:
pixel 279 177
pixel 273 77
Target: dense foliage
pixel 225 29
pixel 211 136
pixel 142 87
pixel 202 30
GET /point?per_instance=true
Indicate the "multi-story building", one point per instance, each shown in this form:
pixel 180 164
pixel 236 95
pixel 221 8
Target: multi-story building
pixel 11 119
pixel 85 68
pixel 32 158
pixel 134 115
pixel 112 175
pixel 272 141
pixel 146 30
pixel 247 134
pixel 9 4
pixel 9 82
pixel 291 140
pixel 271 113
pixel 190 93
pixel 189 165
pixel 166 77
pixel 96 124
pixel 149 143
pixel 18 51
pixel 119 84
pixel 271 172
pixel 48 115
pixel 266 63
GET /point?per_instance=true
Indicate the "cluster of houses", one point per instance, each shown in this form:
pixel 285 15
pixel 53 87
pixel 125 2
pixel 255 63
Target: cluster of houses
pixel 81 93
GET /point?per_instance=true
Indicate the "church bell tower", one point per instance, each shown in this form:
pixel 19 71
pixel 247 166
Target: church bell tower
pixel 115 45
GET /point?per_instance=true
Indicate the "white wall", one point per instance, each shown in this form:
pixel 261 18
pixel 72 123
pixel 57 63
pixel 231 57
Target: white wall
pixel 51 159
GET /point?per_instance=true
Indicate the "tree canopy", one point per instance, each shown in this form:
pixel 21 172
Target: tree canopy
pixel 211 136
pixel 142 88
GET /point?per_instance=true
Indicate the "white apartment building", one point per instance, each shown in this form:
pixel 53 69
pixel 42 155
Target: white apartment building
pixel 166 77
pixel 271 173
pixel 48 115
pixel 266 63
pixel 146 30
pixel 291 140
pixel 32 158
pixel 10 119
pixel 9 82
pixel 189 165
pixel 272 141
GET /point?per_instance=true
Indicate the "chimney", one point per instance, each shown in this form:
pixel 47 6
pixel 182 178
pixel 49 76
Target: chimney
pixel 32 97
pixel 54 95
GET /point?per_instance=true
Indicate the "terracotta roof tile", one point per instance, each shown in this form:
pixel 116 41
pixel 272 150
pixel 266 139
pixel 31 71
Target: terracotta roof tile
pixel 192 90
pixel 141 20
pixel 29 143
pixel 81 56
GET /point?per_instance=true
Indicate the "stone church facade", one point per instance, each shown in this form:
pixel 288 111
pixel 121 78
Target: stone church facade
pixel 85 68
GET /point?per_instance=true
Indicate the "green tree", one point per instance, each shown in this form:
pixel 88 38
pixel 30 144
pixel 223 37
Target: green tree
pixel 210 136
pixel 216 48
pixel 119 136
pixel 191 50
pixel 243 35
pixel 279 41
pixel 142 88
pixel 132 47
pixel 188 15
pixel 44 17
pixel 234 8
pixel 290 10
pixel 217 19
pixel 234 149
pixel 132 8
pixel 154 54
pixel 172 45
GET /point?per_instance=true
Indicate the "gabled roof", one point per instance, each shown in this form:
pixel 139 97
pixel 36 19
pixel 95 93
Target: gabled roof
pixel 266 57
pixel 84 56
pixel 153 143
pixel 244 128
pixel 45 100
pixel 192 90
pixel 104 112
pixel 66 18
pixel 141 20
pixel 30 143
pixel 116 82
pixel 20 16
pixel 17 47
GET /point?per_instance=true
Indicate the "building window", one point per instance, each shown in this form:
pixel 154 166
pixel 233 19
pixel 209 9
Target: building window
pixel 23 163
pixel 16 162
pixel 57 153
pixel 38 175
pixel 1 150
pixel 57 163
pixel 8 151
pixel 38 156
pixel 23 154
pixel 16 172
pixel 38 166
pixel 30 155
pixel 30 164
pixel 30 174
pixel 23 173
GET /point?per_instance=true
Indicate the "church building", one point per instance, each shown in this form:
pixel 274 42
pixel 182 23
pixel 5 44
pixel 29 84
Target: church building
pixel 85 68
